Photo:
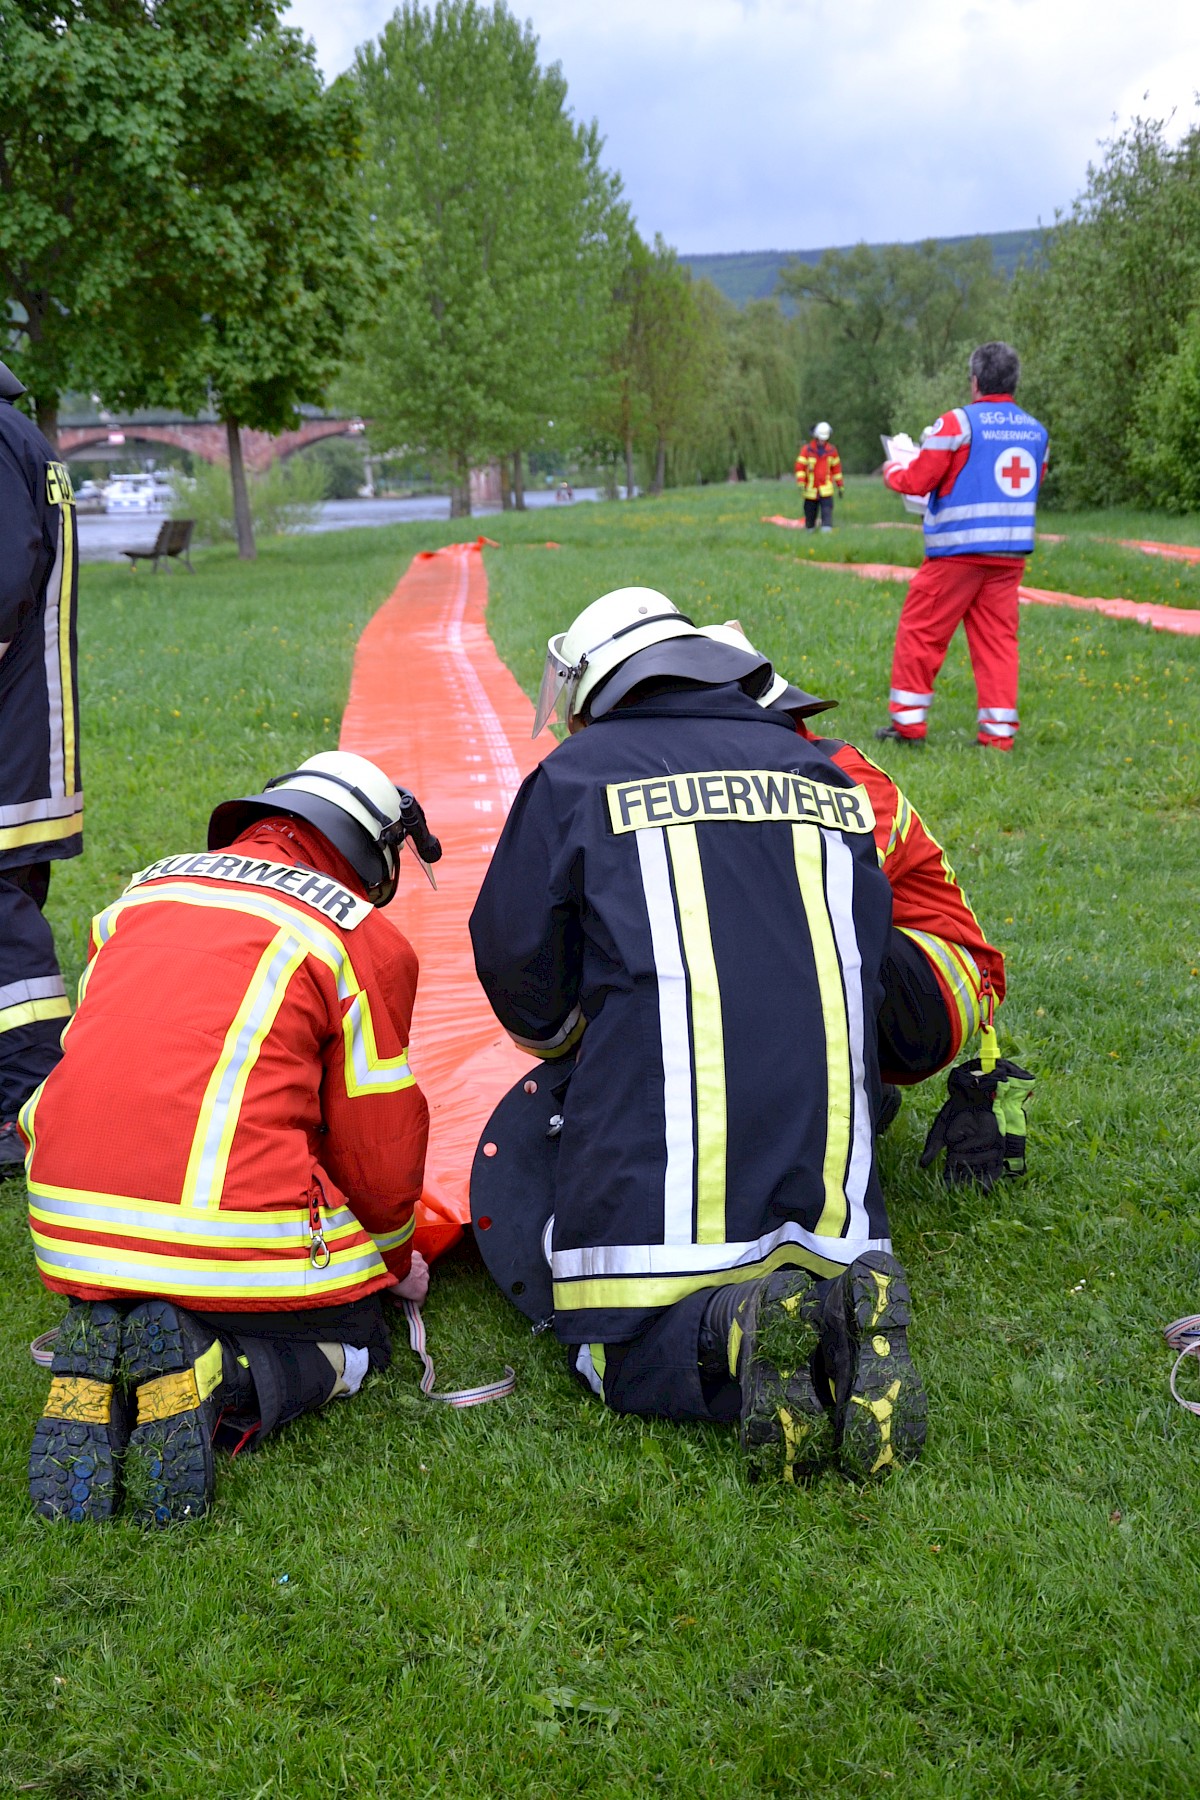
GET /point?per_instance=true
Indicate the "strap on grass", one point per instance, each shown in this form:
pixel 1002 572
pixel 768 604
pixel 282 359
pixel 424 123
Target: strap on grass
pixel 474 1396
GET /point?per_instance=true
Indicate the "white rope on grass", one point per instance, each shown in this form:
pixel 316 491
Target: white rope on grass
pixel 42 1348
pixel 474 1396
pixel 1183 1335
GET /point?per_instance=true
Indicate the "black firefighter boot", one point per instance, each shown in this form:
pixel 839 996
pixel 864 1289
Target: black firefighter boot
pixel 770 1333
pixel 74 1462
pixel 880 1402
pixel 183 1376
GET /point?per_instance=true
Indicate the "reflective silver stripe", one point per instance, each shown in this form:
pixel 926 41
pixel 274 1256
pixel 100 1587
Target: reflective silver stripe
pixel 54 694
pixel 904 698
pixel 393 1240
pixel 992 509
pixel 912 715
pixel 997 730
pixel 31 812
pixel 42 987
pixel 394 1072
pixel 161 1273
pixel 551 1043
pixel 170 1222
pixel 585 1365
pixel 702 1259
pixel 675 1036
pixel 839 897
pixel 1021 536
pixel 999 712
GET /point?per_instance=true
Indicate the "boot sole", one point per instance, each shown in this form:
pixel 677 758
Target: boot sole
pixel 786 1431
pixel 74 1461
pixel 169 1461
pixel 885 1415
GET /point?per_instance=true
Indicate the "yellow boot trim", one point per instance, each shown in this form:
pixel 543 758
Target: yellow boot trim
pixel 168 1395
pixel 80 1398
pixel 736 1334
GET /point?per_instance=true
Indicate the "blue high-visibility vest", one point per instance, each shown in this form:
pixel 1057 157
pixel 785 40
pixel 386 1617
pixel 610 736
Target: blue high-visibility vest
pixel 991 509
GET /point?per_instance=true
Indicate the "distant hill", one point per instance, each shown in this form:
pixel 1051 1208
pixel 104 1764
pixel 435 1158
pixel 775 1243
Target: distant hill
pixel 744 275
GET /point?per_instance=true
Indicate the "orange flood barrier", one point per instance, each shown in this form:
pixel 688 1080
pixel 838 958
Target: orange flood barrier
pixel 432 703
pixel 1183 620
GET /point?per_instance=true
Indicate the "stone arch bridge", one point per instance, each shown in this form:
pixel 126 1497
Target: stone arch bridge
pixel 206 440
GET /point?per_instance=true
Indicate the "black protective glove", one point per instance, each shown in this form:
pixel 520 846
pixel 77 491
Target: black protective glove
pixel 981 1127
pixel 412 818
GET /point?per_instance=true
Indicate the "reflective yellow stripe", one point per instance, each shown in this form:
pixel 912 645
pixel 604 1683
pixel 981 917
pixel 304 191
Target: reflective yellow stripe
pixel 612 1293
pixel 366 1071
pixel 26 1012
pixel 395 1240
pixel 960 973
pixel 66 679
pixel 810 873
pixel 708 1037
pixel 222 1103
pixel 39 831
pixel 119 1216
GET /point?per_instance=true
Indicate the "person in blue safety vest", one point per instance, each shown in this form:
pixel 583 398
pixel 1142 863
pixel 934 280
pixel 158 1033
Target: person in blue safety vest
pixel 41 794
pixel 981 467
pixel 686 903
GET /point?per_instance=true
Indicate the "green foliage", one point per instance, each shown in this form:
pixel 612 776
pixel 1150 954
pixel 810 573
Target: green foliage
pixel 179 216
pixel 286 497
pixel 746 275
pixel 872 319
pixel 1165 443
pixel 1105 307
pixel 919 399
pixel 1014 1617
pixel 342 461
pixel 498 314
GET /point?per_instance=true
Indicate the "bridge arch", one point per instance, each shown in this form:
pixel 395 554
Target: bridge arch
pixel 207 441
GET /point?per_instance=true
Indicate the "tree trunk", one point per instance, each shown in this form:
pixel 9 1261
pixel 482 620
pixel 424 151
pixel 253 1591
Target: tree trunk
pixel 241 496
pixel 506 492
pixel 45 412
pixel 460 492
pixel 518 482
pixel 629 468
pixel 660 466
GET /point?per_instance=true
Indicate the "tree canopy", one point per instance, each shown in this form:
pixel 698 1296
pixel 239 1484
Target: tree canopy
pixel 500 314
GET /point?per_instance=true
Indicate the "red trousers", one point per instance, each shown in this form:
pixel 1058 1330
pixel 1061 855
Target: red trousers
pixel 945 591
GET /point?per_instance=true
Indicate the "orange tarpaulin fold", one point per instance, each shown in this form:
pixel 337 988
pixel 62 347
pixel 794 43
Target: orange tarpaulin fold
pixel 433 705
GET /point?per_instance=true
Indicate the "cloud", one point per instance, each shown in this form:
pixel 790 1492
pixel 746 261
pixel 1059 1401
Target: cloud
pixel 755 124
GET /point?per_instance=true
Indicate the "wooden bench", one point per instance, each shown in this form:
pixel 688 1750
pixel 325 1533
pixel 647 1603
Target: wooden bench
pixel 174 537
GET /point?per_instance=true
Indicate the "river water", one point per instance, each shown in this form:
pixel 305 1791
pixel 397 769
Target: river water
pixel 104 538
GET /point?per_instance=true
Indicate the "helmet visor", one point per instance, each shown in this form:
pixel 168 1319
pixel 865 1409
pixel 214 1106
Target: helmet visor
pixel 558 677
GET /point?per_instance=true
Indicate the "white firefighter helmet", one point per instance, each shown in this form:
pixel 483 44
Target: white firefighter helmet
pixel 823 431
pixel 799 703
pixel 581 662
pixel 352 803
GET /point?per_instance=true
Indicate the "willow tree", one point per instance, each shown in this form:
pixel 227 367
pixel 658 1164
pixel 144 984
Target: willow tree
pixel 499 316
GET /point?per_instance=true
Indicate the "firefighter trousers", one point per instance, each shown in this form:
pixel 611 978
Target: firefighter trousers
pixel 657 1374
pixel 33 1001
pixel 947 591
pixel 821 505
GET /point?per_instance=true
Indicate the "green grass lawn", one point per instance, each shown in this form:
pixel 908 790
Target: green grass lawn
pixel 537 1598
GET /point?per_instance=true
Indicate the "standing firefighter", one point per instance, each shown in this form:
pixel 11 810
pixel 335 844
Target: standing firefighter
pixel 981 466
pixel 818 473
pixel 223 1167
pixel 687 895
pixel 41 798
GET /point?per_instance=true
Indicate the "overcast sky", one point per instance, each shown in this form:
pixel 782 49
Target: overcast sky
pixel 794 124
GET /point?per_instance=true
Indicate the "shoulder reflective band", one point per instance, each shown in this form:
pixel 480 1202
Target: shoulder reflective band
pixel 321 892
pixel 737 796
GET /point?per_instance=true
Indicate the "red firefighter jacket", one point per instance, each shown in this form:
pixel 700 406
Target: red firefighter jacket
pixel 928 905
pixel 818 469
pixel 234 1124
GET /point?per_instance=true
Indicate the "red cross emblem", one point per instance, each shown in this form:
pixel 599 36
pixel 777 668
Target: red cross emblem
pixel 1016 472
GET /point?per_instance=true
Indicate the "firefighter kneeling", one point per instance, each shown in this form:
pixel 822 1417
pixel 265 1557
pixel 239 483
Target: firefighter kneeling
pixel 223 1167
pixel 687 896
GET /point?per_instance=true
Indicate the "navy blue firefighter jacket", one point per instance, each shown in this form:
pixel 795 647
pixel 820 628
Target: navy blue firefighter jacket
pixel 689 892
pixel 41 797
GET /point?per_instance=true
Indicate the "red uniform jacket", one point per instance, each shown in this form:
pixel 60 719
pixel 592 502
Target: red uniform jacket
pixel 234 1124
pixel 928 905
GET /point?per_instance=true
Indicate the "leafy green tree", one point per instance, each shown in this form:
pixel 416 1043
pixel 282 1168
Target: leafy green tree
pixel 871 317
pixel 763 390
pixel 678 353
pixel 229 265
pixel 1107 304
pixel 502 312
pixel 1165 441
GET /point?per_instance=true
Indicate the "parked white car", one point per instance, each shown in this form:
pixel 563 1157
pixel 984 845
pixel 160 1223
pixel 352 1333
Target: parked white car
pixel 153 492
